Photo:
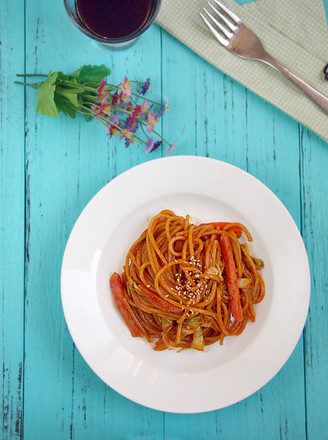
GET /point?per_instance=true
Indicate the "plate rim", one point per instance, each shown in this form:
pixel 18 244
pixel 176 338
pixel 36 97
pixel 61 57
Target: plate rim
pixel 125 174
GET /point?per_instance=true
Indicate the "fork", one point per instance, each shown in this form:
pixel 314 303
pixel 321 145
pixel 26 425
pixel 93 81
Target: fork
pixel 239 39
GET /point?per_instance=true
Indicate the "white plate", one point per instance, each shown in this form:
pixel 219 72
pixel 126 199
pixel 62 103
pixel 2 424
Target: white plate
pixel 190 381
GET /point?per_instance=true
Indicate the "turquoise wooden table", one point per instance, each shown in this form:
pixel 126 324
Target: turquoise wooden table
pixel 50 168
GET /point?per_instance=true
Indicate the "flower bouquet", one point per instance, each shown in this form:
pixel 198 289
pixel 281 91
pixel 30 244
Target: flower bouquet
pixel 121 108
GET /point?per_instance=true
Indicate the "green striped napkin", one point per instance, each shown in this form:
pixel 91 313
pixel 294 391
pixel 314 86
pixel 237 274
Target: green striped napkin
pixel 292 31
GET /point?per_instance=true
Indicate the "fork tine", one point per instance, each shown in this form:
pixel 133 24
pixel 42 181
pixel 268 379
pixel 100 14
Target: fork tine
pixel 216 34
pixel 223 18
pixel 228 12
pixel 227 33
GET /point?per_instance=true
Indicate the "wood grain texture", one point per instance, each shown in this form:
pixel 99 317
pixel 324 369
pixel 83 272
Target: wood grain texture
pixel 70 170
pixel 227 124
pixel 47 389
pixel 12 220
pixel 315 229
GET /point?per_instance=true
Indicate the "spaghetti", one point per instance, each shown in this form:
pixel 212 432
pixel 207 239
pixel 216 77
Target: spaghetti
pixel 187 285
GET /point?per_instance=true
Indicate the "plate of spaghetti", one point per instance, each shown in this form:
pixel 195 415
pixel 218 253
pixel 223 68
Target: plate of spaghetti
pixel 185 284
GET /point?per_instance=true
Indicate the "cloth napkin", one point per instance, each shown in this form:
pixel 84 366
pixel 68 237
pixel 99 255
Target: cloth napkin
pixel 292 31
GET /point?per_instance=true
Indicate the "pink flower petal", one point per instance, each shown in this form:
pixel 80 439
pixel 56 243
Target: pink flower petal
pixel 125 87
pixel 101 88
pixel 166 105
pixel 104 98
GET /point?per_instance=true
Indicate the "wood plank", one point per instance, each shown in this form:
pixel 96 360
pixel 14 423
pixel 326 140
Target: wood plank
pixel 69 161
pixel 12 219
pixel 221 119
pixel 315 230
pixel 273 157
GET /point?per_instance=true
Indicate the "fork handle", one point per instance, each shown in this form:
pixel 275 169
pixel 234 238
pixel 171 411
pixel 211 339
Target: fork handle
pixel 310 91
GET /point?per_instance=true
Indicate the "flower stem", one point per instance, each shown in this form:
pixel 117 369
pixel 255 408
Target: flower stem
pixel 33 85
pixel 155 132
pixel 91 97
pixel 112 85
pixel 146 99
pixel 90 112
pixel 78 86
pixel 119 109
pixel 31 74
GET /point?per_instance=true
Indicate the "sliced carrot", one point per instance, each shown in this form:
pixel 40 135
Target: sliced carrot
pixel 230 271
pixel 222 225
pixel 157 301
pixel 117 287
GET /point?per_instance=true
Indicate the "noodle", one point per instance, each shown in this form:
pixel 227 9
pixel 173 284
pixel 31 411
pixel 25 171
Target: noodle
pixel 187 285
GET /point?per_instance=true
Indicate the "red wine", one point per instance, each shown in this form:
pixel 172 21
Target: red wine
pixel 114 18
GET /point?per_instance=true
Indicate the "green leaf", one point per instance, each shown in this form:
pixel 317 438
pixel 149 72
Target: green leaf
pixel 65 108
pixel 62 77
pixel 91 73
pixel 46 104
pixel 67 93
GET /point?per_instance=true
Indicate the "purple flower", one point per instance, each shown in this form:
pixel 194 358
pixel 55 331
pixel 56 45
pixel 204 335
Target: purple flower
pixel 151 146
pixel 172 148
pixel 127 125
pixel 135 126
pixel 145 87
pixel 129 130
pixel 110 127
pixel 156 145
pixel 114 119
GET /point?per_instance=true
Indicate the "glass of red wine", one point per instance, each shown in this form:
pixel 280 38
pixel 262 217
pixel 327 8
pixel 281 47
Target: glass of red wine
pixel 116 23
